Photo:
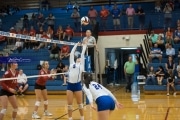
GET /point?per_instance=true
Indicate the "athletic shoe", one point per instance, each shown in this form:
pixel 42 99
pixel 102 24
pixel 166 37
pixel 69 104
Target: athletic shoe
pixel 35 116
pixel 64 84
pixel 46 113
pixel 174 93
pixel 167 94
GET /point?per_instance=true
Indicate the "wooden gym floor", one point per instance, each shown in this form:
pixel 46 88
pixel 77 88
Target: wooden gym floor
pixel 150 107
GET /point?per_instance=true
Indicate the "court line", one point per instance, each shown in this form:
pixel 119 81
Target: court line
pixel 84 106
pixel 167 113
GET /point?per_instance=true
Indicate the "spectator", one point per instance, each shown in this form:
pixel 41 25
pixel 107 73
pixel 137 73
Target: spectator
pixel 178 69
pixel 129 69
pixel 151 76
pixel 158 7
pixel 41 20
pixel 170 51
pixel 171 4
pixel 60 66
pixel 76 6
pixel 69 32
pixel 104 16
pixel 2 64
pixel 26 22
pixel 69 5
pixel 179 54
pixel 76 17
pixel 44 5
pixel 10 39
pixel 116 14
pixel 167 15
pixel 141 15
pixel 65 76
pixel 42 44
pixel 26 44
pixel 40 32
pixel 22 81
pixel 160 42
pixel 92 14
pixel 170 65
pixel 178 23
pixel 50 20
pixel 60 33
pixel 50 32
pixel 33 43
pixel 130 12
pixel 153 38
pixel 65 52
pixel 33 20
pixel 18 46
pixel 155 53
pixel 0 24
pixel 177 35
pixel 160 73
pixel 54 51
pixel 169 37
pixel 170 83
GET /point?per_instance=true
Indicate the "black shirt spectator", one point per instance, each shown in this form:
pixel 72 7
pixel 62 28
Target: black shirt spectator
pixel 54 51
pixel 141 14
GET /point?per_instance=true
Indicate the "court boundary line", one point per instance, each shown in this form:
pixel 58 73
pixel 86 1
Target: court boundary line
pixel 61 117
pixel 167 113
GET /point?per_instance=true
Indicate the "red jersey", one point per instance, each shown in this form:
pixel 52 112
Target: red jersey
pixel 45 36
pixel 6 84
pixel 69 31
pixel 65 49
pixel 42 80
pixel 104 13
pixel 32 32
pixel 25 32
pixel 12 31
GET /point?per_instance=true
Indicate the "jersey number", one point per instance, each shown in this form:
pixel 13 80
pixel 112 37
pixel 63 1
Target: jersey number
pixel 97 86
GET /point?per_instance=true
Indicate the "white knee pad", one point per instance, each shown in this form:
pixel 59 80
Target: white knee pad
pixel 37 103
pixel 3 111
pixel 80 106
pixel 46 102
pixel 69 107
pixel 15 110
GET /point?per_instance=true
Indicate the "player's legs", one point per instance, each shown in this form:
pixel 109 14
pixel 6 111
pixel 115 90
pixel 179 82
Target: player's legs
pixel 69 102
pixel 78 95
pixel 103 115
pixel 13 102
pixel 4 103
pixel 37 103
pixel 44 94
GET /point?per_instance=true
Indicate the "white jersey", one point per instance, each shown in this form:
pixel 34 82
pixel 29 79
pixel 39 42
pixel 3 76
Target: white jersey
pixel 96 90
pixel 76 69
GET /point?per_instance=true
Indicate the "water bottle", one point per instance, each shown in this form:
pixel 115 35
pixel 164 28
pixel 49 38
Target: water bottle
pixel 134 92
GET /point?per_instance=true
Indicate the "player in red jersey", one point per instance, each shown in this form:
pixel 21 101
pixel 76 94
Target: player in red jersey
pixel 8 91
pixel 40 89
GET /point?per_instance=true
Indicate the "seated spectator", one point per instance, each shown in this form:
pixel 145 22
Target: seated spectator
pixel 169 33
pixel 41 20
pixel 104 13
pixel 170 65
pixel 155 53
pixel 18 46
pixel 69 32
pixel 65 52
pixel 50 20
pixel 60 33
pixel 151 76
pixel 153 38
pixel 170 51
pixel 60 66
pixel 42 44
pixel 160 42
pixel 40 32
pixel 170 82
pixel 158 7
pixel 50 32
pixel 22 81
pixel 177 35
pixel 76 17
pixel 178 69
pixel 32 32
pixel 44 5
pixel 54 51
pixel 10 39
pixel 160 73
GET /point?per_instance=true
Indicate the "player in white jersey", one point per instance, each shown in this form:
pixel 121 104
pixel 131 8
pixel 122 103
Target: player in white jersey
pixel 104 99
pixel 74 87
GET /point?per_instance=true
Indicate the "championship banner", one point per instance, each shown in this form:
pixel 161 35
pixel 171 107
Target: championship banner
pixel 26 37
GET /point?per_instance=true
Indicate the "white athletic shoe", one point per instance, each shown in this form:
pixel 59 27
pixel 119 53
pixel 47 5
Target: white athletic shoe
pixel 174 93
pixel 167 94
pixel 35 116
pixel 46 113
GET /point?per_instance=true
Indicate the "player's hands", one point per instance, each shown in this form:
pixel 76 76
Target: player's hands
pixel 12 90
pixel 119 105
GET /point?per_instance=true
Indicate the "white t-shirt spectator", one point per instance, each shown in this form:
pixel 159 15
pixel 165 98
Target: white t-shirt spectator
pixel 22 78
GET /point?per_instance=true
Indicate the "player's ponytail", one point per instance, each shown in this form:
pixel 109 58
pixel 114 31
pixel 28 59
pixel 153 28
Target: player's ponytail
pixel 87 79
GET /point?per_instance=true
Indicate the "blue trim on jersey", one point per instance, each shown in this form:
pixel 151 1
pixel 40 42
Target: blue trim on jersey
pixel 105 103
pixel 74 87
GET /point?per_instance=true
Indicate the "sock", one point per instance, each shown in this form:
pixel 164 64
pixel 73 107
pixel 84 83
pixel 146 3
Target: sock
pixel 70 118
pixel 82 118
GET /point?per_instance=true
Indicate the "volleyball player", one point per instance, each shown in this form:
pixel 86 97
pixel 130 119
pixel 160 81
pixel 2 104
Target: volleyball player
pixel 105 100
pixel 8 91
pixel 74 87
pixel 40 89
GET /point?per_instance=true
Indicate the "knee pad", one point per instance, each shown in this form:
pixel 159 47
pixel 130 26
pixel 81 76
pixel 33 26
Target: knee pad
pixel 46 102
pixel 3 111
pixel 80 106
pixel 37 103
pixel 69 107
pixel 15 110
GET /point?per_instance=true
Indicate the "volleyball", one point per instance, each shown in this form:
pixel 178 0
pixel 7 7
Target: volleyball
pixel 85 20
